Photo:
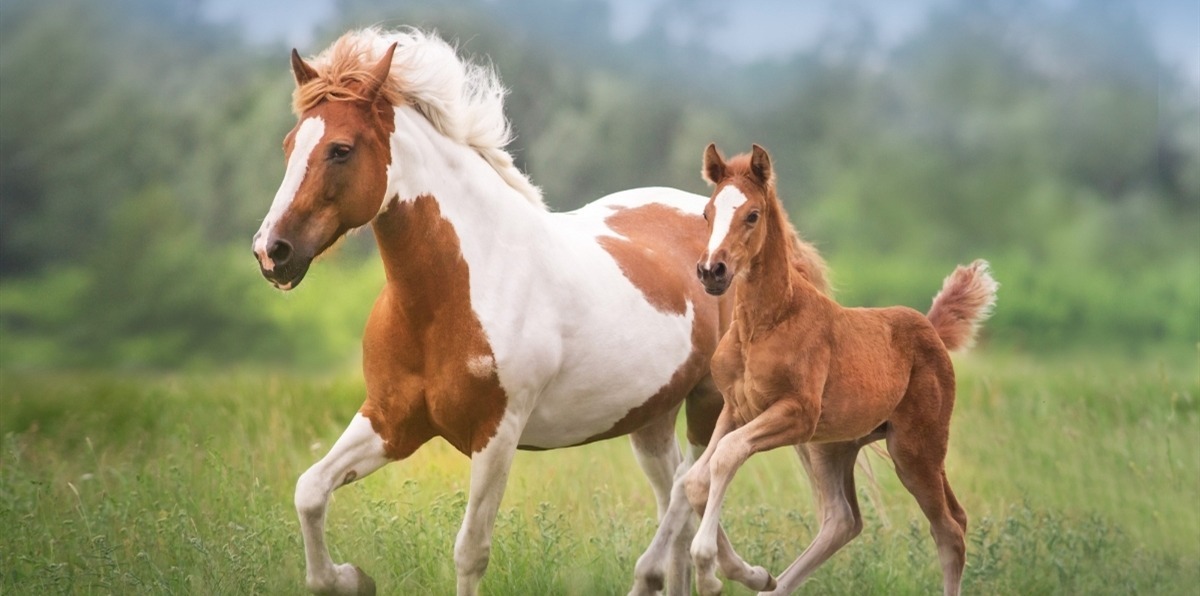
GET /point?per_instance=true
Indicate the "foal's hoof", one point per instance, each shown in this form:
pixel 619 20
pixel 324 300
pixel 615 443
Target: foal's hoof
pixel 760 580
pixel 770 587
pixel 708 586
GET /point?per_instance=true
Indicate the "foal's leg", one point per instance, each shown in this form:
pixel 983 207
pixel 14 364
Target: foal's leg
pixel 489 476
pixel 918 449
pixel 358 452
pixel 830 470
pixel 658 453
pixel 779 425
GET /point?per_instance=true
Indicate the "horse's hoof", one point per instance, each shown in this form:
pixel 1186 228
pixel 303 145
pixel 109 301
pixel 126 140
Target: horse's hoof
pixel 366 585
pixel 648 584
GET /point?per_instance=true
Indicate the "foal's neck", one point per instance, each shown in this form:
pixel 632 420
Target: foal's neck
pixel 768 291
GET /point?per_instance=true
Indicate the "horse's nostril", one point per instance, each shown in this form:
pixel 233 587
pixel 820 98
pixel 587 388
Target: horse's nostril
pixel 280 252
pixel 719 270
pixel 699 270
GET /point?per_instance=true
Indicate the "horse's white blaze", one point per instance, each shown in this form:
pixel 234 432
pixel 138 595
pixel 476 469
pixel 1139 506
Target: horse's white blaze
pixel 307 137
pixel 585 344
pixel 725 205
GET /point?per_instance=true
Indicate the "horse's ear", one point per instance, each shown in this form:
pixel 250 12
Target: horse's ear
pixel 714 165
pixel 301 70
pixel 380 73
pixel 760 164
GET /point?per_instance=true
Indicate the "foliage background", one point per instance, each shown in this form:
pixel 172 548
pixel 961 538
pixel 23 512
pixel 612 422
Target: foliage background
pixel 158 399
pixel 139 150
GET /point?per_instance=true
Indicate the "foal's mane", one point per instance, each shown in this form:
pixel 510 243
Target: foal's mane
pixel 804 258
pixel 462 100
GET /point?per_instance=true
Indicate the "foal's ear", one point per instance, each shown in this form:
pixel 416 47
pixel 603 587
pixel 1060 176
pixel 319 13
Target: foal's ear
pixel 380 73
pixel 714 165
pixel 760 164
pixel 301 70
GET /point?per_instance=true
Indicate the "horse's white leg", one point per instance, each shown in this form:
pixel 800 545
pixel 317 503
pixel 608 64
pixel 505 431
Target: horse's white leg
pixel 357 453
pixel 830 470
pixel 658 453
pixel 489 476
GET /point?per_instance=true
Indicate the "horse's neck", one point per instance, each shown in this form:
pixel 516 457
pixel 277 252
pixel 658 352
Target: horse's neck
pixel 448 208
pixel 487 214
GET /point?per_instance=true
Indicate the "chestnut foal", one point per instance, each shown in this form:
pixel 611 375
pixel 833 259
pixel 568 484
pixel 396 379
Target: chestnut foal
pixel 795 368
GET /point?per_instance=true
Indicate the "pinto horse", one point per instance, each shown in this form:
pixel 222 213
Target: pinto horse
pixel 797 369
pixel 501 325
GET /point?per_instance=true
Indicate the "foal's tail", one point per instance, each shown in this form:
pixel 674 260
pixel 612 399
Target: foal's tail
pixel 966 300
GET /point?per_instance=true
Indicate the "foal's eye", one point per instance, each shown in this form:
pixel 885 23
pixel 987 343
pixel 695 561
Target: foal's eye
pixel 339 152
pixel 705 213
pixel 752 218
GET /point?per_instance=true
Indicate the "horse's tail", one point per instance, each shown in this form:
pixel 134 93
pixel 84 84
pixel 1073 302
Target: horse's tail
pixel 966 300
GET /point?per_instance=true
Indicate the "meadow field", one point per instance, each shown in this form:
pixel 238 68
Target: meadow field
pixel 1080 474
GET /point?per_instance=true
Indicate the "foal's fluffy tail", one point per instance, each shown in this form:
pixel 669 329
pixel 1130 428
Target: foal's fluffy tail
pixel 966 300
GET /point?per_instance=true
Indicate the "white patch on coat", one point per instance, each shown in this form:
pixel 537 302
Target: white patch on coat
pixel 576 344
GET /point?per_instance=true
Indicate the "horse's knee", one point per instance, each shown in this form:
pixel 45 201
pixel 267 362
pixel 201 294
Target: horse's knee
pixel 311 495
pixel 471 557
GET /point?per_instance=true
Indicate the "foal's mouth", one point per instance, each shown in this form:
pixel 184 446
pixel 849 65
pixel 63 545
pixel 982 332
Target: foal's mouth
pixel 715 288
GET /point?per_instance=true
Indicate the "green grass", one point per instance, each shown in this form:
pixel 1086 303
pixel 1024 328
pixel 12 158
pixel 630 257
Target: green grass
pixel 1081 475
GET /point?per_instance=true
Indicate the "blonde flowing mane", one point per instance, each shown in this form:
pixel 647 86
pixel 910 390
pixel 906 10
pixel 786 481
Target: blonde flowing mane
pixel 462 100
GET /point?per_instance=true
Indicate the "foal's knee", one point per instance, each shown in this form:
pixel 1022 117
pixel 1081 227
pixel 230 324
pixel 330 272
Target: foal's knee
pixel 696 485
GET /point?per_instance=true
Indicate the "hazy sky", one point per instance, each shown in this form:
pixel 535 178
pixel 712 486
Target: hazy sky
pixel 753 29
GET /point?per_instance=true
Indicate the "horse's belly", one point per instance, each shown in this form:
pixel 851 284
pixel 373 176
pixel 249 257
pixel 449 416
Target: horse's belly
pixel 597 388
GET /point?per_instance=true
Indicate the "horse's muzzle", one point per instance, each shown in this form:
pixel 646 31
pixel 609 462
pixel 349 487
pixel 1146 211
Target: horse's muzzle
pixel 282 265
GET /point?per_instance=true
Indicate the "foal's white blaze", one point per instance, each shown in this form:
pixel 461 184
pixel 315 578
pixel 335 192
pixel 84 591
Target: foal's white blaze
pixel 307 137
pixel 724 206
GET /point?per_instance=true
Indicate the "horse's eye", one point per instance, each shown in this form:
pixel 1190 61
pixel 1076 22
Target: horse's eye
pixel 752 218
pixel 339 152
pixel 705 215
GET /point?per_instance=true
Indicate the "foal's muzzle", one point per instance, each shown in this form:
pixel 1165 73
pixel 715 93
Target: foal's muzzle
pixel 715 277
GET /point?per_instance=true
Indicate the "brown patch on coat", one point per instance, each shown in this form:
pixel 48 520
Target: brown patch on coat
pixel 657 253
pixel 421 337
pixel 657 248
